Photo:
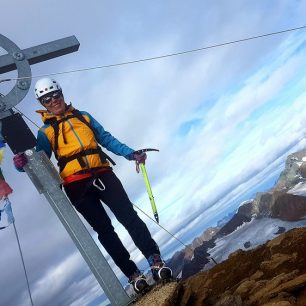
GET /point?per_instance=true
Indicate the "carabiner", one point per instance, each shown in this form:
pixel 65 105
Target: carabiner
pixel 95 184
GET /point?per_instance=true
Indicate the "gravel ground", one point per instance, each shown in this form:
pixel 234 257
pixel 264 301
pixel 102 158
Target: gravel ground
pixel 157 296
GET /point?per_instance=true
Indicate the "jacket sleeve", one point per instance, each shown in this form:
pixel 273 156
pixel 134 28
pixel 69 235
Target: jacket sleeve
pixel 108 141
pixel 43 143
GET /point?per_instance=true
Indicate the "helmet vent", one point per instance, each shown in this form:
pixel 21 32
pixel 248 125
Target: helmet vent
pixel 45 86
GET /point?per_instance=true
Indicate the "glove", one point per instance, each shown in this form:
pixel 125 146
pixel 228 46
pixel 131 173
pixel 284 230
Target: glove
pixel 139 159
pixel 20 161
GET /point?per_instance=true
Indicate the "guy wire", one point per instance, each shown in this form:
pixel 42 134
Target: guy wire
pixel 26 116
pixel 217 45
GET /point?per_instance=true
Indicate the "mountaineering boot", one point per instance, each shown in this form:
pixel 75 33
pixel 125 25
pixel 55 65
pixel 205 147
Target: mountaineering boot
pixel 139 282
pixel 159 269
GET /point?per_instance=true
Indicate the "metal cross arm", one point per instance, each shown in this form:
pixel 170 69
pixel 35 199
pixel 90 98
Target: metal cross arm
pixel 22 59
pixel 40 53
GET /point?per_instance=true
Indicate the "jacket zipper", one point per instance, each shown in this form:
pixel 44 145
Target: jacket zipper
pixel 80 142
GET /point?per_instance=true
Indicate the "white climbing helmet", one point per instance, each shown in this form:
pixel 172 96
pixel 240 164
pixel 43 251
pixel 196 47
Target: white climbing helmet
pixel 45 86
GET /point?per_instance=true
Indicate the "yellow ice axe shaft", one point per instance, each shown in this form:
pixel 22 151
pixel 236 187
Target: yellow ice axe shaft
pixel 147 182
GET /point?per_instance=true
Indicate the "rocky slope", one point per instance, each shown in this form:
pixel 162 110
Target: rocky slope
pixel 273 274
pixel 275 203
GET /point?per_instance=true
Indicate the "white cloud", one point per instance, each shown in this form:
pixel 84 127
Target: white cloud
pixel 247 99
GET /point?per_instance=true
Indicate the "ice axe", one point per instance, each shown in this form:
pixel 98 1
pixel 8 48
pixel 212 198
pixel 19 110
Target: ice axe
pixel 147 182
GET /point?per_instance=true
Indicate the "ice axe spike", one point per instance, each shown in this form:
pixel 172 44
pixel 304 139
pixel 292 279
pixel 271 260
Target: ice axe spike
pixel 147 183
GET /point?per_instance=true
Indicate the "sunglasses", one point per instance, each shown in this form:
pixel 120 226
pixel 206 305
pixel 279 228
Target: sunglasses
pixel 45 100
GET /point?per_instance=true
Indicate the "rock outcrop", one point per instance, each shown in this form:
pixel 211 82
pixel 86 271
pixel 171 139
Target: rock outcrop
pixel 273 274
pixel 289 207
pixel 276 202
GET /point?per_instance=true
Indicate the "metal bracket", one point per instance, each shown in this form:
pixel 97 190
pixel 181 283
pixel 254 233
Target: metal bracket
pixel 21 87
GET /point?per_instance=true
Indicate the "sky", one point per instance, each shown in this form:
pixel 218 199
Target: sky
pixel 224 120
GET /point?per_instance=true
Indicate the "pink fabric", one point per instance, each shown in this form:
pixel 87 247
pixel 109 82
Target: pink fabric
pixel 5 189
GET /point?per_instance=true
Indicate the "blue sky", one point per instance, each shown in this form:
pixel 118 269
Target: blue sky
pixel 224 119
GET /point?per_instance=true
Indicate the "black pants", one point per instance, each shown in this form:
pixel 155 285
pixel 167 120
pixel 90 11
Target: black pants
pixel 86 199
